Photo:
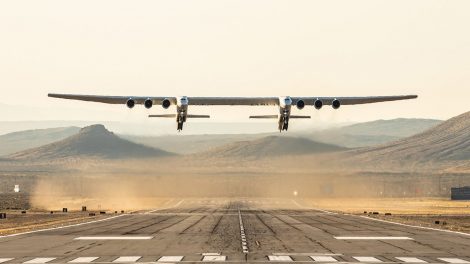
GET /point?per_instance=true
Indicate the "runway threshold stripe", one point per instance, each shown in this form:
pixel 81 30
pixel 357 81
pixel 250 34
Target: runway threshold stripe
pixel 214 258
pixel 83 260
pixel 280 258
pixel 411 260
pixel 39 260
pixel 170 259
pixel 323 259
pixel 127 259
pixel 454 260
pixel 5 259
pixel 367 259
pixel 372 238
pixel 114 238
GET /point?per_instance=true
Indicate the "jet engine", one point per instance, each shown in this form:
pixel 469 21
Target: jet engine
pixel 336 104
pixel 130 103
pixel 300 104
pixel 148 103
pixel 318 104
pixel 166 103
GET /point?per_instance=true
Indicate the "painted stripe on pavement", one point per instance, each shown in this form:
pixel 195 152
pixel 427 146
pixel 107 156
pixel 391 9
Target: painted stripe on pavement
pixel 170 259
pixel 454 260
pixel 214 258
pixel 39 260
pixel 114 238
pixel 372 238
pixel 279 258
pixel 411 260
pixel 367 259
pixel 127 259
pixel 83 260
pixel 323 259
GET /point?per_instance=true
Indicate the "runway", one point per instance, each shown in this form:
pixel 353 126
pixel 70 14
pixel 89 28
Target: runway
pixel 242 230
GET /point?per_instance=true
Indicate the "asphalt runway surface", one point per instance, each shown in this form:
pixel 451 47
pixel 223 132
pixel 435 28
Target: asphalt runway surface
pixel 242 230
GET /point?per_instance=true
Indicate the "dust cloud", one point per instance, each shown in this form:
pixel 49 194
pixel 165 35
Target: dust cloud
pixel 149 184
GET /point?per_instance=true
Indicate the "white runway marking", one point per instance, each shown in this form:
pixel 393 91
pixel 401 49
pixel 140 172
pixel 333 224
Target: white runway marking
pixel 114 238
pixel 280 258
pixel 323 259
pixel 214 258
pixel 454 260
pixel 367 259
pixel 421 227
pixel 373 238
pixel 84 260
pixel 411 260
pixel 242 233
pixel 127 259
pixel 170 259
pixel 39 260
pixel 5 259
pixel 62 227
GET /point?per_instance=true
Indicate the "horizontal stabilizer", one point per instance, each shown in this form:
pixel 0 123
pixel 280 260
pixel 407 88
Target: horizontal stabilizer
pixel 299 117
pixel 164 116
pixel 198 116
pixel 265 116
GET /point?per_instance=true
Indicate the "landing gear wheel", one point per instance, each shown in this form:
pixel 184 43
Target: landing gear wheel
pixel 180 126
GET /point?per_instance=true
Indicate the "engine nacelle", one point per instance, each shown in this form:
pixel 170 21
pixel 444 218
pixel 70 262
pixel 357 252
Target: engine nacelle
pixel 318 104
pixel 336 104
pixel 130 103
pixel 300 104
pixel 166 103
pixel 148 103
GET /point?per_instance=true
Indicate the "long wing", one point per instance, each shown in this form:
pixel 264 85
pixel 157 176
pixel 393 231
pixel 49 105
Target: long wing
pixel 107 99
pixel 353 100
pixel 233 100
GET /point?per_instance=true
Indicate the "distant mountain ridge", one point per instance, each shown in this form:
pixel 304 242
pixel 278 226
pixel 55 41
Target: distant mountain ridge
pixel 372 133
pixel 92 141
pixel 271 146
pixel 449 141
pixel 22 140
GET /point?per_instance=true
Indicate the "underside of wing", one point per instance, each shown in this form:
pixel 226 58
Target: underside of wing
pixel 233 100
pixel 353 100
pixel 106 99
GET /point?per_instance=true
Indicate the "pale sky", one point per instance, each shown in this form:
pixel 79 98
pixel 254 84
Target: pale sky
pixel 234 48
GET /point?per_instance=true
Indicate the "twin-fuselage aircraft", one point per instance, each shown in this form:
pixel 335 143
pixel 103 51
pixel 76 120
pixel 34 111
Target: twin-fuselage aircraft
pixel 182 103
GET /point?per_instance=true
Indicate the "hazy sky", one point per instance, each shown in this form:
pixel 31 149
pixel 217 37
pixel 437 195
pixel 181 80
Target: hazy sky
pixel 234 48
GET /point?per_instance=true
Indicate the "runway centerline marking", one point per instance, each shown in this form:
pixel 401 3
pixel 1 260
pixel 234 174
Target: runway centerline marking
pixel 127 259
pixel 39 260
pixel 454 260
pixel 114 238
pixel 372 238
pixel 242 233
pixel 83 260
pixel 411 260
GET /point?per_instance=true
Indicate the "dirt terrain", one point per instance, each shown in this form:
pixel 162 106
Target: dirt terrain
pixel 427 212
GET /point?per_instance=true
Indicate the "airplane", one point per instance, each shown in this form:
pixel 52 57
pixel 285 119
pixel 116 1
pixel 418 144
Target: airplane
pixel 182 103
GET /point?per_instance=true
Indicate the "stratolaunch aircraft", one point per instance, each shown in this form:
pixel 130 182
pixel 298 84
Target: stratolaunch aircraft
pixel 183 102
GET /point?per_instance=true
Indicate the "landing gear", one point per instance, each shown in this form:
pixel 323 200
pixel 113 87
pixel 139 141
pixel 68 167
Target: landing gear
pixel 283 123
pixel 180 126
